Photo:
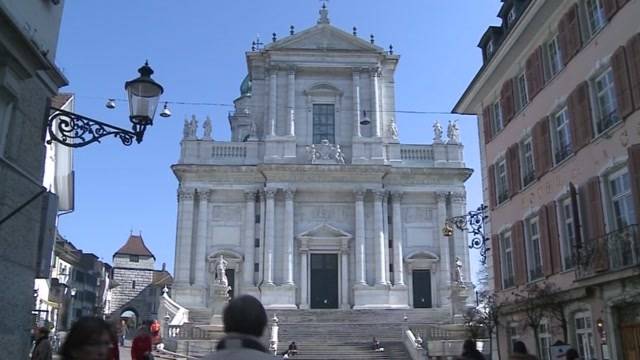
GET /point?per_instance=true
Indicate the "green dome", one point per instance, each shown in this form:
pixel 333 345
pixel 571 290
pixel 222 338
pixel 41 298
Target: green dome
pixel 245 87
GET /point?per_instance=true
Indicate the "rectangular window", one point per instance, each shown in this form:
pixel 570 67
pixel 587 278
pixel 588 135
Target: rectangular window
pixel 390 243
pixel 323 123
pixel 584 335
pixel 623 246
pixel 511 17
pixel 534 258
pixel 561 136
pixel 502 188
pixel 6 114
pixel 554 59
pixel 595 15
pixel 512 332
pixel 256 267
pixel 391 268
pixel 134 258
pixel 567 232
pixel 606 104
pixel 257 218
pixel 496 117
pixel 506 260
pixel 256 243
pixel 526 159
pixel 544 337
pixel 133 284
pixel 523 96
pixel 490 48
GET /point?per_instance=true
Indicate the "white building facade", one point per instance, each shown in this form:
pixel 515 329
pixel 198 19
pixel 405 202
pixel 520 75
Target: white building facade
pixel 315 203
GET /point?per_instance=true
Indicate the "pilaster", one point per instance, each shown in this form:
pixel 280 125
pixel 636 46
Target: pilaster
pixel 291 100
pixel 398 260
pixel 379 240
pixel 201 242
pixel 444 288
pixel 269 236
pixel 288 233
pixel 360 245
pixel 184 235
pixel 249 238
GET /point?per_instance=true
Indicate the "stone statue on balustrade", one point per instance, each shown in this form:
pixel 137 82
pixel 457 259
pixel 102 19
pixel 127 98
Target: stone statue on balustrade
pixel 207 128
pixel 437 133
pixel 393 129
pixel 453 132
pixel 190 128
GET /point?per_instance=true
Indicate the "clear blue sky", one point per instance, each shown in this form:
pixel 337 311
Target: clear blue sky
pixel 196 48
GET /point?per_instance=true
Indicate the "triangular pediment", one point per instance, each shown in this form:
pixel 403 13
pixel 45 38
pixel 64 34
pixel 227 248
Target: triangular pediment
pixel 324 231
pixel 324 37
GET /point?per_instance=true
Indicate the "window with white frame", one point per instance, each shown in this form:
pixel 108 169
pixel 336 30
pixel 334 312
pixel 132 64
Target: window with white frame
pixel 544 340
pixel 526 159
pixel 554 59
pixel 584 335
pixel 502 188
pixel 567 233
pixel 606 104
pixel 534 258
pixel 324 116
pixel 595 15
pixel 522 94
pixel 560 136
pixel 506 260
pixel 512 333
pixel 623 248
pixel 496 111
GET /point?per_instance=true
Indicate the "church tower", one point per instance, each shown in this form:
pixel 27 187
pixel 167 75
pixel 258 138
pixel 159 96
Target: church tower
pixel 314 203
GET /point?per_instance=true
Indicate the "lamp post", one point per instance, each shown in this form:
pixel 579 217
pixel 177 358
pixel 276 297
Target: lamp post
pixel 75 130
pixel 473 222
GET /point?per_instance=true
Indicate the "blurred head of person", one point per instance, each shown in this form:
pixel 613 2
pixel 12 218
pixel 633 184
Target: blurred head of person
pixel 89 339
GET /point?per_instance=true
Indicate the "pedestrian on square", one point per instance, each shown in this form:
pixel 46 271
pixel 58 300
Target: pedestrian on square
pixel 42 349
pixel 470 352
pixel 520 352
pixel 244 320
pixel 142 346
pixel 122 331
pixel 90 338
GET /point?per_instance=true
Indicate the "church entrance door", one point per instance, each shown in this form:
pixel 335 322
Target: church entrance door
pixel 324 281
pixel 421 288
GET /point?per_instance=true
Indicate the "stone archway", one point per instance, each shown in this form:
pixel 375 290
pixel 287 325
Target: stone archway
pixel 130 318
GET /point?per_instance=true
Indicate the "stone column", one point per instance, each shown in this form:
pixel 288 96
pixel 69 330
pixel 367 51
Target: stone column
pixel 385 230
pixel 288 233
pixel 445 267
pixel 356 103
pixel 461 249
pixel 378 238
pixel 201 242
pixel 375 96
pixel 361 276
pixel 304 284
pixel 182 266
pixel 273 100
pixel 250 235
pixel 344 276
pixel 291 88
pixel 269 236
pixel 398 266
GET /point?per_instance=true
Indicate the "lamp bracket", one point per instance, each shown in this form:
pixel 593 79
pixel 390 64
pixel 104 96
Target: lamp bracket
pixel 473 222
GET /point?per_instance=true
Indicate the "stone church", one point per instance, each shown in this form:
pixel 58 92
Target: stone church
pixel 314 203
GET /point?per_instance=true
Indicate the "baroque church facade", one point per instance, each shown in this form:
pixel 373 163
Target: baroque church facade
pixel 314 203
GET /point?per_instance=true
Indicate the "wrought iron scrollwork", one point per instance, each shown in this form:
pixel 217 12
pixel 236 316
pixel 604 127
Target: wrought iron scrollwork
pixel 74 130
pixel 472 222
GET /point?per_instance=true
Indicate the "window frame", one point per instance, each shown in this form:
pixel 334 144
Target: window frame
pixel 490 48
pixel 316 123
pixel 532 244
pixel 600 17
pixel 506 260
pixel 586 332
pixel 134 258
pixel 502 182
pixel 554 61
pixel 544 337
pixel 567 241
pixel 497 120
pixel 560 151
pixel 625 196
pixel 527 176
pixel 512 333
pixel 604 122
pixel 521 92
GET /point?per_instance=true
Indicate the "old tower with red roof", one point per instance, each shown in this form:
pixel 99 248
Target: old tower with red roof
pixel 138 285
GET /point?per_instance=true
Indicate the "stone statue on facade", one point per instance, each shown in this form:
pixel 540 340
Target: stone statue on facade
pixel 325 153
pixel 459 272
pixel 453 132
pixel 221 267
pixel 393 129
pixel 186 130
pixel 191 128
pixel 339 156
pixel 207 128
pixel 437 133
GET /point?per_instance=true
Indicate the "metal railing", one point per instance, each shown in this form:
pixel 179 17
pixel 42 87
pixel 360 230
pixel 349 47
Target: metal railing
pixel 608 120
pixel 614 251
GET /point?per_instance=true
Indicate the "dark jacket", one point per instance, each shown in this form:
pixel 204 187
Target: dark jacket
pixel 42 350
pixel 522 357
pixel 239 347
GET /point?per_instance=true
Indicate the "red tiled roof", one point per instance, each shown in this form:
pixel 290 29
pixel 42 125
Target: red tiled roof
pixel 162 277
pixel 134 246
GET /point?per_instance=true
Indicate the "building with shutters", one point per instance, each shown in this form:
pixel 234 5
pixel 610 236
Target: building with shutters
pixel 557 101
pixel 314 203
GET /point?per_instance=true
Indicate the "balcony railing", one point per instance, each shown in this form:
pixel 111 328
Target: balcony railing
pixel 562 152
pixel 528 177
pixel 608 120
pixel 615 251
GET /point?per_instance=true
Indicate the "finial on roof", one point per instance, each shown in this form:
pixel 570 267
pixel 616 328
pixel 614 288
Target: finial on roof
pixel 355 31
pixel 372 39
pixel 324 13
pixel 292 30
pixel 390 49
pixel 274 38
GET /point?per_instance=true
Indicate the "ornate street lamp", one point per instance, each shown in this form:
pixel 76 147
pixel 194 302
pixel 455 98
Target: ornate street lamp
pixel 472 222
pixel 76 130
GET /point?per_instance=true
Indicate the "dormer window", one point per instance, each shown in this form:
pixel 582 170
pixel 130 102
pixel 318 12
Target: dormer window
pixel 511 17
pixel 490 48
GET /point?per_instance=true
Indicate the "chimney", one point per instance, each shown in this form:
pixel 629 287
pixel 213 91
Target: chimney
pixel 164 266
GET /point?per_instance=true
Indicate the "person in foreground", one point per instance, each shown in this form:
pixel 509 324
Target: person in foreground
pixel 89 339
pixel 470 352
pixel 42 350
pixel 571 354
pixel 520 352
pixel 244 320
